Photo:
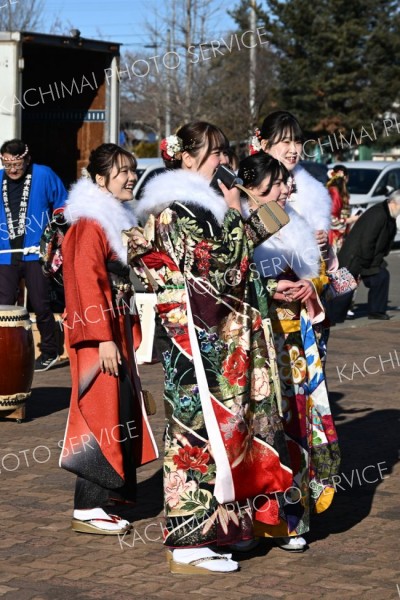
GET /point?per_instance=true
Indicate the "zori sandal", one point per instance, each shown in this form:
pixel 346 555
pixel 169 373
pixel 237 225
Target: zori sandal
pixel 200 561
pixel 97 521
pixel 295 543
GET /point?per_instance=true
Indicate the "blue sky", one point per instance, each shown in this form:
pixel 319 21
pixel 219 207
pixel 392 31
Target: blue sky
pixel 122 21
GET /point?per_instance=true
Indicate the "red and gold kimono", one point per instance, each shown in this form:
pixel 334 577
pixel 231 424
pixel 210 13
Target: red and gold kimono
pixel 108 434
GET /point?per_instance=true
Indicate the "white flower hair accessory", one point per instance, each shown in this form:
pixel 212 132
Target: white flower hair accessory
pixel 171 147
pixel 255 142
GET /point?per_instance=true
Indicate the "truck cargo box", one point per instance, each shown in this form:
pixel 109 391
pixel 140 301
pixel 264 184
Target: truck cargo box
pixel 57 95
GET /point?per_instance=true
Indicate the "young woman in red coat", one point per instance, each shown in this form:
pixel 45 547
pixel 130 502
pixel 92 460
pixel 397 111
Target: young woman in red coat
pixel 107 435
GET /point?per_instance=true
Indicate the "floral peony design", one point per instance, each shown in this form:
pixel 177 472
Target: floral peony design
pixel 260 387
pixel 176 485
pixel 236 367
pixel 192 457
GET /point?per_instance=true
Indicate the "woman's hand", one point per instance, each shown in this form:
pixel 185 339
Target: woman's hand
pixel 109 358
pixel 322 237
pixel 285 290
pixel 322 240
pixel 305 290
pixel 231 197
pixel 352 219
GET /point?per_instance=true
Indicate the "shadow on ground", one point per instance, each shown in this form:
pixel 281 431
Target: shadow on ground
pixel 369 449
pixel 46 401
pixel 149 500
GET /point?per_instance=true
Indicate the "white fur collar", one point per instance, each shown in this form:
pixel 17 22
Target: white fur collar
pixel 292 246
pixel 311 200
pixel 87 201
pixel 179 186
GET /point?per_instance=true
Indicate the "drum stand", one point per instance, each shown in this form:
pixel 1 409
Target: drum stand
pixel 17 414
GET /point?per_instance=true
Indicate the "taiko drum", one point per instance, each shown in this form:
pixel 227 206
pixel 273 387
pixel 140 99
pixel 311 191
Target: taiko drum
pixel 17 356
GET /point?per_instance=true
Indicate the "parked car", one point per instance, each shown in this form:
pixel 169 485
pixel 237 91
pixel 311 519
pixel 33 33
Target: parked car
pixel 147 169
pixel 371 181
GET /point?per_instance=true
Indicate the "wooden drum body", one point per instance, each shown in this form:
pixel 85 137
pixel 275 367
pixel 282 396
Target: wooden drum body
pixel 17 357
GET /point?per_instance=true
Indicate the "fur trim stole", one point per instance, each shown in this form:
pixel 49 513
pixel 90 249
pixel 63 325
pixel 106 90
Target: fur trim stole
pixel 87 201
pixel 182 186
pixel 311 200
pixel 293 246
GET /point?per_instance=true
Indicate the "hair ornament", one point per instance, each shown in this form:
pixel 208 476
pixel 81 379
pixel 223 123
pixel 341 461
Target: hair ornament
pixel 249 174
pixel 332 173
pixel 171 147
pixel 255 142
pixel 85 173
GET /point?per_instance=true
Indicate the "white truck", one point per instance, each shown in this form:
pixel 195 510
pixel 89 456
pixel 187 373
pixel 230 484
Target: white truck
pixel 57 95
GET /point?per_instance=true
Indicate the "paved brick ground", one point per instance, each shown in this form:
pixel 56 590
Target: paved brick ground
pixel 354 546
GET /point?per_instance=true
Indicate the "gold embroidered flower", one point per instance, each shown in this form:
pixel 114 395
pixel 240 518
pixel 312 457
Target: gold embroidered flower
pixel 176 316
pixel 166 217
pixel 292 365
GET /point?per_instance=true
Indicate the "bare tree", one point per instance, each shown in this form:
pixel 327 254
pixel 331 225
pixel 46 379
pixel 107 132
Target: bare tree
pixel 172 89
pixel 200 73
pixel 21 15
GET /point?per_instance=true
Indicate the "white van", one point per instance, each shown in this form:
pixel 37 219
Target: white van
pixel 371 181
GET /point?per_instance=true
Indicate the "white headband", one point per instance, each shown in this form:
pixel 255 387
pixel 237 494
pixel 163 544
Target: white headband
pixel 16 157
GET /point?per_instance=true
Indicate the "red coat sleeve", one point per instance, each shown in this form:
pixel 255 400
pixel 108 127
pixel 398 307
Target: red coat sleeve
pixel 88 298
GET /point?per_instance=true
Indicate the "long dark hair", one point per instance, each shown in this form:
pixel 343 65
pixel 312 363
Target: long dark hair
pixel 105 157
pixel 255 168
pixel 198 135
pixel 279 124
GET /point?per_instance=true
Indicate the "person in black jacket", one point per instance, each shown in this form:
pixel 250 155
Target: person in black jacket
pixel 365 247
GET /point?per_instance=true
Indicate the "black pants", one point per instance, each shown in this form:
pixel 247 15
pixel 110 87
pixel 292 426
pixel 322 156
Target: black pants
pixel 378 294
pixel 39 297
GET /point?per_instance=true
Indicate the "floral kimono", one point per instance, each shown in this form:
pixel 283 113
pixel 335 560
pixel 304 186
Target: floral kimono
pixel 224 441
pixel 310 431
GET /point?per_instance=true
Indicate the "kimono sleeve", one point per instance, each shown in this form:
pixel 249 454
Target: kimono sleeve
pixel 88 296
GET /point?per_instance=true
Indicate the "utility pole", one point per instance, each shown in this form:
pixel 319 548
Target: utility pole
pixel 253 64
pixel 167 92
pixel 158 132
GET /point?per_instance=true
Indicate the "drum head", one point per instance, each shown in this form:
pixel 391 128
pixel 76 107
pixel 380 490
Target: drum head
pixel 12 311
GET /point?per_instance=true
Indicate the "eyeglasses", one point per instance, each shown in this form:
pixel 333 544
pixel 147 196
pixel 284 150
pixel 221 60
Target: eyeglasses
pixel 18 166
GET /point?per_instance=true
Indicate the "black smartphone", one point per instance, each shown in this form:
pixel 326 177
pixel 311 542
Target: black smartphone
pixel 227 176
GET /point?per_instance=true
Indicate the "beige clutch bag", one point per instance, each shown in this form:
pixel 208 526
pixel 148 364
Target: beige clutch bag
pixel 270 215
